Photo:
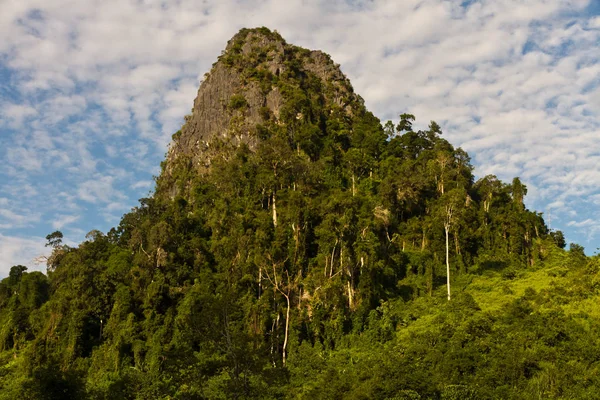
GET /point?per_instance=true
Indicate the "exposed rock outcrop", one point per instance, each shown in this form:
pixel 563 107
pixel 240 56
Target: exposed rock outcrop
pixel 255 82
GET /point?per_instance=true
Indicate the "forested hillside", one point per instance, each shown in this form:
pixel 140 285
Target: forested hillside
pixel 296 247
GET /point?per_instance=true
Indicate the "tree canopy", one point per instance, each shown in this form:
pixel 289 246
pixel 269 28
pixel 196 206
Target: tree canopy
pixel 316 264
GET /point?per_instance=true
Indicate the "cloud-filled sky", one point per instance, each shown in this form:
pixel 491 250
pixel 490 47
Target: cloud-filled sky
pixel 91 91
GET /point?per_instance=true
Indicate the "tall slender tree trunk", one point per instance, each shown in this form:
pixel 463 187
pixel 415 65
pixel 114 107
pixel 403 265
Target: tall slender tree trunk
pixel 350 295
pixel 447 228
pixel 274 211
pixel 332 257
pixel 273 327
pixel 362 263
pixel 287 327
pixel 259 281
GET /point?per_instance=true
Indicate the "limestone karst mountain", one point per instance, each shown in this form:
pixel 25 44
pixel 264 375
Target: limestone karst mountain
pixel 297 248
pixel 258 82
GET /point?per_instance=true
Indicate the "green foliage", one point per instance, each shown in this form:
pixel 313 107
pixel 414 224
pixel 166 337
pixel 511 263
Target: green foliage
pixel 54 239
pixel 559 239
pixel 310 265
pixel 237 102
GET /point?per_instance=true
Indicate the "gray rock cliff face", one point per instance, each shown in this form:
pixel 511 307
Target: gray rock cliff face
pixel 243 90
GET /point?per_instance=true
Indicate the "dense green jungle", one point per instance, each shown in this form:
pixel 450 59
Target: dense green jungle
pixel 309 251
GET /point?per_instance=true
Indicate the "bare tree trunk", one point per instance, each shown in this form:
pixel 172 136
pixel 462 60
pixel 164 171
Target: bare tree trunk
pixel 332 256
pixel 287 294
pixel 259 281
pixel 446 228
pixel 362 263
pixel 350 296
pixel 273 339
pixel 287 327
pixel 274 211
pixel 353 186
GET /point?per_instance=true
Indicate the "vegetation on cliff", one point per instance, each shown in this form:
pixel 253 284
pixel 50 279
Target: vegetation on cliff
pixel 298 248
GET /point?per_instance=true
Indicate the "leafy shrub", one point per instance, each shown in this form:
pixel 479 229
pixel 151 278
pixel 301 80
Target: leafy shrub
pixel 237 102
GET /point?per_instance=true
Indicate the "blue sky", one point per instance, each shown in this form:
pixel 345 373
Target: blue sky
pixel 91 91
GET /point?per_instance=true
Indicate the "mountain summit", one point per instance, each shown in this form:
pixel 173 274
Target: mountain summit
pixel 258 82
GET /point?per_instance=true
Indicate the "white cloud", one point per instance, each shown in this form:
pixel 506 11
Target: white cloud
pixel 588 227
pixel 583 224
pixel 25 158
pixel 20 251
pixel 13 115
pixel 99 190
pixel 594 23
pixel 10 219
pixel 142 185
pixel 116 206
pixel 61 221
